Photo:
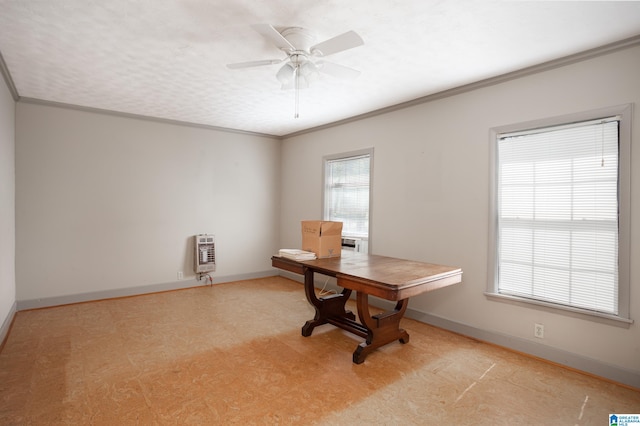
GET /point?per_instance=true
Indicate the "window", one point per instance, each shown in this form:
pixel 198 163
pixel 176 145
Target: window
pixel 347 192
pixel 561 213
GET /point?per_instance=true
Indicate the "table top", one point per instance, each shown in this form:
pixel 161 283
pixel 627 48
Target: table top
pixel 387 277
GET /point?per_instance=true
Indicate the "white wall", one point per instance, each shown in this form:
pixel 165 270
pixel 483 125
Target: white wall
pixel 105 203
pixel 431 194
pixel 7 209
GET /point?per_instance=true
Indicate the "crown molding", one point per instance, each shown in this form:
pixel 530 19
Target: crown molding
pixel 534 69
pixel 141 117
pixel 7 79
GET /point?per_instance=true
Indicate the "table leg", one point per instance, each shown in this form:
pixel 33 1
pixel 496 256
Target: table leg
pixel 381 328
pixel 329 309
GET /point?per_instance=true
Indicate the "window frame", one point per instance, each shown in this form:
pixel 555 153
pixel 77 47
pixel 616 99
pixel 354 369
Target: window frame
pixel 343 156
pixel 624 219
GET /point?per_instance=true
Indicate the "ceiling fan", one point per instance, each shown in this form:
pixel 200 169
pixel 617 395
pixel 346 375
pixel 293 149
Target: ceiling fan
pixel 303 61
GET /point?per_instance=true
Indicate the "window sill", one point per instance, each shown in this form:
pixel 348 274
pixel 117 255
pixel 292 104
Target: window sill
pixel 560 309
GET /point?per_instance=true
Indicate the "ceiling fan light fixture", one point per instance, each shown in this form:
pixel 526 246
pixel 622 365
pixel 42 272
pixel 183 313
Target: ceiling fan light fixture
pixel 285 74
pixel 306 74
pixel 302 83
pixel 309 71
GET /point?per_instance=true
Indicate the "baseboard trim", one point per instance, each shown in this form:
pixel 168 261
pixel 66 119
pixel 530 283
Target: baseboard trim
pixel 48 302
pixel 557 356
pixel 6 324
pixel 553 355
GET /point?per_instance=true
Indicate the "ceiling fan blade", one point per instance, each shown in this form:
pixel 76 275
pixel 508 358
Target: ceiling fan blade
pixel 337 44
pixel 338 71
pixel 254 63
pixel 269 32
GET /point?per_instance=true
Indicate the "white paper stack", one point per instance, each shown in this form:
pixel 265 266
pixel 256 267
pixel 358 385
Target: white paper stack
pixel 296 254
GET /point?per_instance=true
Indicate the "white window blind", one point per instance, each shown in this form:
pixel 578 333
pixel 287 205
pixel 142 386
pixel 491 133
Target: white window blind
pixel 557 214
pixel 346 196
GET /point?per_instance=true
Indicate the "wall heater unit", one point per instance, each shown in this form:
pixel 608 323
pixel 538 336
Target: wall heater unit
pixel 205 254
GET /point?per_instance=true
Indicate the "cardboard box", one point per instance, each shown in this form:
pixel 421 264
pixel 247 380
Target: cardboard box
pixel 324 238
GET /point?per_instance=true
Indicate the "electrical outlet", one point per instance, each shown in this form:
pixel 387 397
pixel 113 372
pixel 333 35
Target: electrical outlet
pixel 180 275
pixel 538 331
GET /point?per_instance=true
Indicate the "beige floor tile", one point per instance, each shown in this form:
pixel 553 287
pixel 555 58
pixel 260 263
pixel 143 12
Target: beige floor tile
pixel 234 354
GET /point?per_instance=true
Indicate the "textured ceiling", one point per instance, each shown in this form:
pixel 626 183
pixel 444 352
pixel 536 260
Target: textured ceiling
pixel 166 58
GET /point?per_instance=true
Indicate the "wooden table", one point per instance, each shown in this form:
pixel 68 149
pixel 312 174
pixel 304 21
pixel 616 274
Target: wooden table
pixel 366 274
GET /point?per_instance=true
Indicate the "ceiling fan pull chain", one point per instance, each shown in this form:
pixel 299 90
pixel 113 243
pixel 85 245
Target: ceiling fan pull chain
pixel 296 76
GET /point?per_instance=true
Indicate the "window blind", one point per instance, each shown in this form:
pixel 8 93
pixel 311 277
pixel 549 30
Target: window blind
pixel 557 203
pixel 347 194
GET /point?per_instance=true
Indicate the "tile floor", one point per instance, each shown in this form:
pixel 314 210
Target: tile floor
pixel 233 354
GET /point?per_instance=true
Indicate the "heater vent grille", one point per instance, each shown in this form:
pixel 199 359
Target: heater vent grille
pixel 205 253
